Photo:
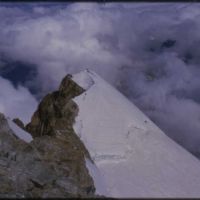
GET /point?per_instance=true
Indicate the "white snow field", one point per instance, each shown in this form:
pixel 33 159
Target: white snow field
pixel 132 156
pixel 20 133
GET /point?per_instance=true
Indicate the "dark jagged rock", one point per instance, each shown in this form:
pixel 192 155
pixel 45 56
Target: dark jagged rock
pixel 53 163
pixel 57 111
pixel 19 123
pixel 46 167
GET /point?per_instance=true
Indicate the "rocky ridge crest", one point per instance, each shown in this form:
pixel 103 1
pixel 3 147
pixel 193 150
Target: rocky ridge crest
pixel 53 163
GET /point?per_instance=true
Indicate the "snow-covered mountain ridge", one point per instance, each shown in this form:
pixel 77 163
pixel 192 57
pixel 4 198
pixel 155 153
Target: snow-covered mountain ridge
pixel 133 157
pixel 86 139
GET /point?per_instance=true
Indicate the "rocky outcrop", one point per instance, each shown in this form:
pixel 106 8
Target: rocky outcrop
pixel 57 111
pixel 19 123
pixel 53 163
pixel 46 167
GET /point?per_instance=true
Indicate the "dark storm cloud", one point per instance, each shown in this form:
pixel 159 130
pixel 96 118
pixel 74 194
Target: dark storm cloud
pixel 150 52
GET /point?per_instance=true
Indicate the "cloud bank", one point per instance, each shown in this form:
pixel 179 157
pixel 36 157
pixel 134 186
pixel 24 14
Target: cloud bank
pixel 16 102
pixel 150 52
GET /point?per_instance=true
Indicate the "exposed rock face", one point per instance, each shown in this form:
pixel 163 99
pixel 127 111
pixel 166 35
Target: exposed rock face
pixel 53 164
pixel 57 111
pixel 19 123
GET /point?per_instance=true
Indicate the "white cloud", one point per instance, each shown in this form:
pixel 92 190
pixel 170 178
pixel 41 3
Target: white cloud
pixel 16 102
pixel 126 44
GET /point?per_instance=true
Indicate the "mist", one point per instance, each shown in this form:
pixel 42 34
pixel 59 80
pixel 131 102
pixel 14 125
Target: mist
pixel 148 51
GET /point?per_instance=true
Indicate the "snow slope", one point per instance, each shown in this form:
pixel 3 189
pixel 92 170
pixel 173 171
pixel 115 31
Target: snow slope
pixel 132 156
pixel 20 133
